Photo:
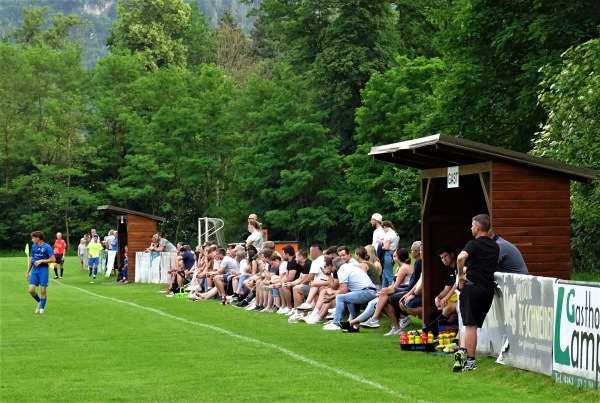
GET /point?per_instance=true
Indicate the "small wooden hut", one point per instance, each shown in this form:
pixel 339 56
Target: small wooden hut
pixel 135 230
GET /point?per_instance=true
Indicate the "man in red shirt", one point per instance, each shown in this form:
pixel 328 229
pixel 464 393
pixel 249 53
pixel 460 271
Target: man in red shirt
pixel 59 252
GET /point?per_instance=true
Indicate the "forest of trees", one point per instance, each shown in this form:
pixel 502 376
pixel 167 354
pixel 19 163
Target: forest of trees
pixel 184 119
pixel 98 16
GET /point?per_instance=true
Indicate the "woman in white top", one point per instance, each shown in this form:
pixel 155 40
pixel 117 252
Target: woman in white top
pixel 247 267
pixel 390 243
pixel 256 238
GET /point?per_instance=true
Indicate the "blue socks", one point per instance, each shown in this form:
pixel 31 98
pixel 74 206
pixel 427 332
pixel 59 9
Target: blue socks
pixel 36 297
pixel 42 303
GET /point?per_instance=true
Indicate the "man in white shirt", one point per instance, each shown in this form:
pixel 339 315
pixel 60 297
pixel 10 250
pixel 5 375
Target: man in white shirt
pixel 355 287
pixel 319 278
pixel 344 253
pixel 376 220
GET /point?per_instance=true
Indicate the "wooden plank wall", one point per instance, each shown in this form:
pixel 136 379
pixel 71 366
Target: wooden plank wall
pixel 139 236
pixel 531 209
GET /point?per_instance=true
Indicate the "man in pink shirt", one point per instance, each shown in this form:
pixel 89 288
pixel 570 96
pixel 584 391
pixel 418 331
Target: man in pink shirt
pixel 59 252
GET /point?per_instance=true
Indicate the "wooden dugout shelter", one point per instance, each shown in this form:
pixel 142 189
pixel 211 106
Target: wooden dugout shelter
pixel 527 198
pixel 135 230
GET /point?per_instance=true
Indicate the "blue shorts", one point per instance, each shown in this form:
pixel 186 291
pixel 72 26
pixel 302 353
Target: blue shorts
pixel 39 276
pixel 93 261
pixel 416 302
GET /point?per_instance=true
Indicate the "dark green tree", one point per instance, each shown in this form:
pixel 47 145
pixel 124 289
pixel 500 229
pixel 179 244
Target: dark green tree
pixel 199 39
pixel 397 105
pixel 358 41
pixel 178 146
pixel 42 113
pixel 494 50
pixel 289 169
pixel 418 23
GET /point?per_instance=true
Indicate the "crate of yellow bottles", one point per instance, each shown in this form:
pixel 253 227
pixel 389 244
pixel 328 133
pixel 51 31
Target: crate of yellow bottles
pixel 421 341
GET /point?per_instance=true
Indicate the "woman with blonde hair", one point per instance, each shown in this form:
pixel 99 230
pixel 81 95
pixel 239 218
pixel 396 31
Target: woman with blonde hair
pixel 256 237
pixel 363 259
pixel 373 259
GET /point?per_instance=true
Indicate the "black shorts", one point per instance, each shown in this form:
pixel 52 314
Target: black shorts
pixel 475 302
pixel 59 259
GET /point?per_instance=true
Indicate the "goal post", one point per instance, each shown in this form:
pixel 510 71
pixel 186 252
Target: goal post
pixel 211 229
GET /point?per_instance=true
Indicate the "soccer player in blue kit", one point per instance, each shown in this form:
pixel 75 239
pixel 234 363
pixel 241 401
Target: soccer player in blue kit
pixel 37 271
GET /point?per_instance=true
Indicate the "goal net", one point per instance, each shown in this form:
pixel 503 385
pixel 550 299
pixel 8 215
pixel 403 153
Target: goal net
pixel 211 229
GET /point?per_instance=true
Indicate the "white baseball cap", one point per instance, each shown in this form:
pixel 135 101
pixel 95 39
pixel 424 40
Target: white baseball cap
pixel 377 217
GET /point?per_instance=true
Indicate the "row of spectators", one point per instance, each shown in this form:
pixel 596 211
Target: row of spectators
pixel 311 286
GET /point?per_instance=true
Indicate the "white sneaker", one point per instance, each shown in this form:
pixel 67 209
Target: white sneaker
pixel 170 295
pixel 373 323
pixel 331 326
pixel 395 331
pixel 313 319
pixel 37 310
pixel 306 306
pixel 295 318
pixel 291 312
pixel 330 316
pixel 41 310
pixel 283 311
pixel 328 322
pixel 302 317
pixel 331 310
pixel 251 306
pixel 193 296
pixel 405 322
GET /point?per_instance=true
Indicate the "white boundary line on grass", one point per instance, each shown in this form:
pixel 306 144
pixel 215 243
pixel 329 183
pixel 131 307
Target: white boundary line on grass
pixel 251 340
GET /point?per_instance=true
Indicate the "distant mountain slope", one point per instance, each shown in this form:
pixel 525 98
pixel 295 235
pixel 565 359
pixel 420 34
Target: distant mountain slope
pixel 101 14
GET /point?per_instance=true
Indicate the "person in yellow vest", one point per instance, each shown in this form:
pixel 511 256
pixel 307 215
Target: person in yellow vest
pixel 94 248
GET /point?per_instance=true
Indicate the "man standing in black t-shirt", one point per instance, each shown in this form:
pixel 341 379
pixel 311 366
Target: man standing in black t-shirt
pixel 476 265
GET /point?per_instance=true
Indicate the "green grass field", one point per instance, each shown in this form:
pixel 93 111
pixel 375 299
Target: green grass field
pixel 107 342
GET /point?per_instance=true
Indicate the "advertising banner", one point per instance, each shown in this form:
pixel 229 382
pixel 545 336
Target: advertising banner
pixel 153 267
pixel 142 265
pixel 490 336
pixel 576 359
pixel 528 321
pixel 111 257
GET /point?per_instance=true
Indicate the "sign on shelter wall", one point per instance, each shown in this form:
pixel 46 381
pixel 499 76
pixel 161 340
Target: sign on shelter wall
pixel 576 359
pixel 528 321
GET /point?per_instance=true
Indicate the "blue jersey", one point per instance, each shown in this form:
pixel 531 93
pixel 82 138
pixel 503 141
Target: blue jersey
pixel 41 253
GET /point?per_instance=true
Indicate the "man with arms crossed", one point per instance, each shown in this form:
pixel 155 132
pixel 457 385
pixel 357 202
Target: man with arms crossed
pixel 37 269
pixel 476 264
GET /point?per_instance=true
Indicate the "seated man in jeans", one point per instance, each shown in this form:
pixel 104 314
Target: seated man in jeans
pixel 355 287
